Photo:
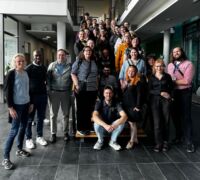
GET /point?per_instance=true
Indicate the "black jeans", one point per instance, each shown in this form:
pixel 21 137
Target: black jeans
pixel 182 114
pixel 161 116
pixel 40 103
pixel 85 101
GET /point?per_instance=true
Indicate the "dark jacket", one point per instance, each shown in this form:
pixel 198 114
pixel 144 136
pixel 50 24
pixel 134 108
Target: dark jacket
pixel 9 88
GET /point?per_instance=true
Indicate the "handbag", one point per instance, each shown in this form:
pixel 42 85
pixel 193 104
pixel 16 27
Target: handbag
pixel 83 84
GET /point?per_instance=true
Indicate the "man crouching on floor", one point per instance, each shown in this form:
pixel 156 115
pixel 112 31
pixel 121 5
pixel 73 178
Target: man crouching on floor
pixel 108 117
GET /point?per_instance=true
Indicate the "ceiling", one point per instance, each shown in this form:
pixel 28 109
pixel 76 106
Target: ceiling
pixel 150 17
pixel 48 36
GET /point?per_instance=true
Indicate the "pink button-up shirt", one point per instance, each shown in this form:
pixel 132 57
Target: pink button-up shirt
pixel 187 68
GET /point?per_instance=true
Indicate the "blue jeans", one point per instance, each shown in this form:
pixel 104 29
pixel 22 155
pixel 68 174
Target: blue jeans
pixel 18 124
pixel 100 132
pixel 40 103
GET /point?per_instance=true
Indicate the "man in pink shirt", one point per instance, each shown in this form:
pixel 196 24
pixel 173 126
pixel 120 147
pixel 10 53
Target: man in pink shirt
pixel 182 72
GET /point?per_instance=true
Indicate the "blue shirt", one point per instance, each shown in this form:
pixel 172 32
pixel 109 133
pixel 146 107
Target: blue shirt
pixel 141 66
pixel 21 88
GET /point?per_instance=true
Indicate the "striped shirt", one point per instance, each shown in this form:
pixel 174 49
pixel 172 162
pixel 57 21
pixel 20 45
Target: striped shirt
pixel 81 68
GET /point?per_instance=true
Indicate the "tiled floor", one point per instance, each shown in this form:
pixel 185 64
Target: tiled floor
pixel 77 160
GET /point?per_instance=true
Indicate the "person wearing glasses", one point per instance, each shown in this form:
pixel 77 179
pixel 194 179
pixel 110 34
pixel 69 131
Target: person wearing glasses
pixel 85 79
pixel 19 106
pixel 160 92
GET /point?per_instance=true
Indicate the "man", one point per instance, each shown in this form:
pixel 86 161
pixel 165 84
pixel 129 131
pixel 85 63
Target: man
pixel 182 72
pixel 37 80
pixel 80 43
pixel 59 85
pixel 107 79
pixel 109 117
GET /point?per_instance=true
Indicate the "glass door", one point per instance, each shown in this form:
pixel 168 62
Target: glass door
pixel 192 49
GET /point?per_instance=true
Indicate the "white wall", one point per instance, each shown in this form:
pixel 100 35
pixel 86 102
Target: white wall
pixel 35 44
pixel 34 7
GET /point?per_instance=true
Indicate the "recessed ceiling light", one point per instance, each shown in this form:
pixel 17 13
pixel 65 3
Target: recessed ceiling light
pixel 168 19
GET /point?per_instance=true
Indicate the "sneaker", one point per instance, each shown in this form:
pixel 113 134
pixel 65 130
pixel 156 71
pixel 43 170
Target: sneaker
pixel 47 121
pixel 7 164
pixel 30 144
pixel 66 137
pixel 53 138
pixel 157 148
pixel 83 133
pixel 41 141
pixel 190 148
pixel 98 146
pixel 165 147
pixel 33 123
pixel 22 153
pixel 115 146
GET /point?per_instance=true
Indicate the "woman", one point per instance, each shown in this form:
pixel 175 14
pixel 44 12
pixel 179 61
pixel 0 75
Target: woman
pixel 160 90
pixel 133 60
pixel 132 102
pixel 18 100
pixel 85 73
pixel 135 43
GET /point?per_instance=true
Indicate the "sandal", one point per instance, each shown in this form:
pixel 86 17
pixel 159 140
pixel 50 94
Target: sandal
pixel 130 145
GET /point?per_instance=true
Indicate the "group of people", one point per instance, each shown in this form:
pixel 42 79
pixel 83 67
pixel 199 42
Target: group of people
pixel 111 80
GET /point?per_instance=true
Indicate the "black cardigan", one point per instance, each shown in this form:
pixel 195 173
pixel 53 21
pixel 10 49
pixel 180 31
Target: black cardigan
pixel 9 88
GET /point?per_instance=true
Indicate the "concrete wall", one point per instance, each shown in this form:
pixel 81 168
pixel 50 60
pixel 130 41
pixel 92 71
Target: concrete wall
pixel 34 44
pixel 102 7
pixel 36 7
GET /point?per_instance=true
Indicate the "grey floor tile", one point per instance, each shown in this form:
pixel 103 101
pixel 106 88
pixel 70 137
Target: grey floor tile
pixel 189 170
pixel 157 157
pixel 5 174
pixel 109 172
pixel 141 155
pixel 87 156
pixel 151 171
pixel 197 165
pixel 70 155
pixel 52 157
pixel 87 172
pixel 67 172
pixel 170 171
pixel 24 173
pixel 109 155
pixel 34 159
pixel 176 156
pixel 130 172
pixel 45 173
pixel 106 155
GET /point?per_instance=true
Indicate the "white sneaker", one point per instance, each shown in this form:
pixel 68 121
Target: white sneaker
pixel 47 121
pixel 115 146
pixel 41 141
pixel 98 146
pixel 30 144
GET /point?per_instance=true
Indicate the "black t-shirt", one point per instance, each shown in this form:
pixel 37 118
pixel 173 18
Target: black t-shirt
pixel 109 113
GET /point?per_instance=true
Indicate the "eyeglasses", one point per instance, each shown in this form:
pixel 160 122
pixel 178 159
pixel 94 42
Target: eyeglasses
pixel 159 66
pixel 87 50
